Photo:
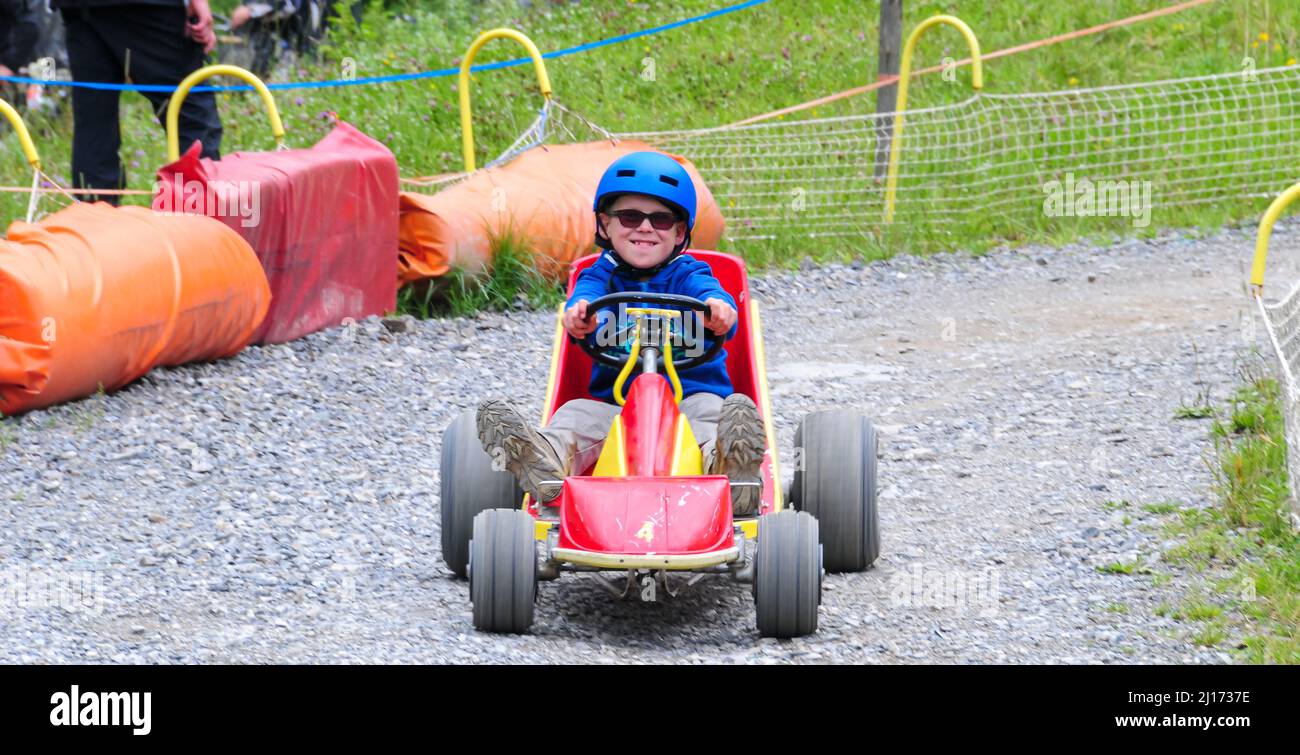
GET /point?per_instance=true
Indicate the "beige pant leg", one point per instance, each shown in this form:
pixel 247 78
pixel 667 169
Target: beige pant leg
pixel 702 410
pixel 577 431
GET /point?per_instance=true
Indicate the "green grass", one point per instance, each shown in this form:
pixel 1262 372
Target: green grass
pixel 1198 411
pixel 86 414
pixel 1251 476
pixel 707 74
pixel 1201 611
pixel 1119 567
pixel 514 283
pixel 1211 634
pixel 1247 536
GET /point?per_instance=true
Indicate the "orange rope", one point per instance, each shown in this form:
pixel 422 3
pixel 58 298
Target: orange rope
pixel 115 192
pixel 885 81
pixel 421 181
pixel 430 180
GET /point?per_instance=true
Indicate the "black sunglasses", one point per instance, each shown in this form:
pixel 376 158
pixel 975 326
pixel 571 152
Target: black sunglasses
pixel 660 221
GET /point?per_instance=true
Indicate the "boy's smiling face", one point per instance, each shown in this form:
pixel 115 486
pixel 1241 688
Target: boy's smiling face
pixel 643 246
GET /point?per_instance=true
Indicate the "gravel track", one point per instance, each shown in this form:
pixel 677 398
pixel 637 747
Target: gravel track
pixel 282 506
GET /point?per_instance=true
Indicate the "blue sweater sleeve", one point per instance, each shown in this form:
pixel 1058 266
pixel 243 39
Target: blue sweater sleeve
pixel 593 282
pixel 700 283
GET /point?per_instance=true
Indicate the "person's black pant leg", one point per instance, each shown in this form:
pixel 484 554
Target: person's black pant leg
pixel 96 138
pixel 161 54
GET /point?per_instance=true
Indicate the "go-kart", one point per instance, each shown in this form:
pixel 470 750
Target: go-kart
pixel 645 509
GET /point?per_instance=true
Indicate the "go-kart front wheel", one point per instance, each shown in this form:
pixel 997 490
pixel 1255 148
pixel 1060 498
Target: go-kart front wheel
pixel 835 481
pixel 503 571
pixel 787 574
pixel 468 485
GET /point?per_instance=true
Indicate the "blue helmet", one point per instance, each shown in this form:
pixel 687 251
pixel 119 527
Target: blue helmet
pixel 653 174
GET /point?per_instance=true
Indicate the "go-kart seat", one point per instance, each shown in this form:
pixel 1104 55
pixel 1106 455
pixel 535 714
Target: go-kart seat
pixel 574 366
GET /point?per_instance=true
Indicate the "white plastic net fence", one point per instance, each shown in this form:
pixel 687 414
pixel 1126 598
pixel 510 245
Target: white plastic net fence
pixel 554 123
pixel 991 160
pixel 1282 324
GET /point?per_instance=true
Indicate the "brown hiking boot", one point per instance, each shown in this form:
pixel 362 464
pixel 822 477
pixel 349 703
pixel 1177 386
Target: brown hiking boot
pixel 738 452
pixel 507 436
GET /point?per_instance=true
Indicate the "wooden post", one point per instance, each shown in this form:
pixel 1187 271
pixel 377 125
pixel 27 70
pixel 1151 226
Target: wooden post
pixel 891 47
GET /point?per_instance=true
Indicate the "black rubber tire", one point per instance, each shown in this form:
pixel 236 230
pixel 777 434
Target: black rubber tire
pixel 787 575
pixel 503 571
pixel 468 485
pixel 837 484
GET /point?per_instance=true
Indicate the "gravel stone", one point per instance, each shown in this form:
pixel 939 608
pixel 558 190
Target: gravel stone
pixel 281 506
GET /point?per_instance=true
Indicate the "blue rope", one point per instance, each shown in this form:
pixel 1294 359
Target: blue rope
pixel 391 78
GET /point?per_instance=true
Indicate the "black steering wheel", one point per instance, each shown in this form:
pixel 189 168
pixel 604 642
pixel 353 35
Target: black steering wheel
pixel 614 356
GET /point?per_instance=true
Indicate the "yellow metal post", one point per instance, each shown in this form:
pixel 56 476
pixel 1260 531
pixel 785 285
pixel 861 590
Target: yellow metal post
pixel 1271 215
pixel 24 137
pixel 977 83
pixel 191 81
pixel 466 121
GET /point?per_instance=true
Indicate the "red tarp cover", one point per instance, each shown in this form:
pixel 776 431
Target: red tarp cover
pixel 322 220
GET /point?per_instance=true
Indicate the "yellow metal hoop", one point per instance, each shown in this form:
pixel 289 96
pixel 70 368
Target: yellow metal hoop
pixel 24 136
pixel 203 74
pixel 466 119
pixel 1271 215
pixel 977 83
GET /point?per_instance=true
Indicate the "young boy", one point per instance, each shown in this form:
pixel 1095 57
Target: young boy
pixel 645 210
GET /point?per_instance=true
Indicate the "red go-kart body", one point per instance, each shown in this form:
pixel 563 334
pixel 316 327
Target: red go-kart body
pixel 645 503
pixel 645 507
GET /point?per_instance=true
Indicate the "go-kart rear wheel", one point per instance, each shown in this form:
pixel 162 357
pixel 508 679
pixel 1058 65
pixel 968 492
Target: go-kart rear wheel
pixel 503 571
pixel 468 485
pixel 787 574
pixel 836 482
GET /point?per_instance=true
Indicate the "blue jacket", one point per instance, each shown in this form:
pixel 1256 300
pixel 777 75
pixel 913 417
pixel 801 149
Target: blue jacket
pixel 685 275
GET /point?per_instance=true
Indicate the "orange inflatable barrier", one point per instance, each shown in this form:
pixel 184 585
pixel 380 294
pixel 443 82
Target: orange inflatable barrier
pixel 96 296
pixel 543 196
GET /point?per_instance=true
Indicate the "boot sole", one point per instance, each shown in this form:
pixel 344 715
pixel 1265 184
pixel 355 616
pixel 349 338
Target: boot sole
pixel 500 426
pixel 742 453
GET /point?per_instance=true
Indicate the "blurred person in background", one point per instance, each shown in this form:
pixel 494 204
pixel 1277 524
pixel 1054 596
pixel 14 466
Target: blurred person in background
pixel 20 33
pixel 140 42
pixel 31 45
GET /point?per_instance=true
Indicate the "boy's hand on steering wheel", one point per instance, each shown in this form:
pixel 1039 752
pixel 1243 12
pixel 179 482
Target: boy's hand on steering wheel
pixel 575 321
pixel 721 316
